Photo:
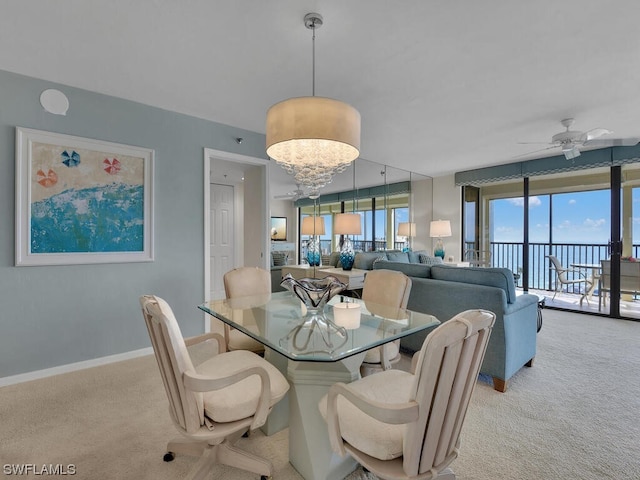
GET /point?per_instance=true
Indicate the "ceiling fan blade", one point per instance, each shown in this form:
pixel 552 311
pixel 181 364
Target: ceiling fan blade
pixel 594 133
pixel 613 142
pixel 537 143
pixel 537 151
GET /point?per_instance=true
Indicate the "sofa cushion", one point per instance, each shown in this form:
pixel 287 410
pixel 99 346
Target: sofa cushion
pixel 409 269
pixel 429 260
pixel 364 260
pixel 492 277
pixel 334 259
pixel 398 257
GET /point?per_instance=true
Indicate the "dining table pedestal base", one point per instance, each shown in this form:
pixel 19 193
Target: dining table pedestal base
pixel 309 448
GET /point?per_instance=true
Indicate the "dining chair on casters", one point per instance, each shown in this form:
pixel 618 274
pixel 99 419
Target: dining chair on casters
pixel 243 282
pixel 568 276
pixel 214 404
pixel 402 425
pixel 384 288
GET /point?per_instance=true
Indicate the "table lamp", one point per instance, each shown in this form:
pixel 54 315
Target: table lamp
pixel 313 226
pixel 439 229
pixel 347 224
pixel 407 229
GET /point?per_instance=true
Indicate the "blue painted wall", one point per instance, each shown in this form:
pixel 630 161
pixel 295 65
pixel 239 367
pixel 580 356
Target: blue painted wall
pixel 56 315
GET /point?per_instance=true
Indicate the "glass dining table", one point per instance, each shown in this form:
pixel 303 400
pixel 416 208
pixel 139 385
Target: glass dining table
pixel 314 354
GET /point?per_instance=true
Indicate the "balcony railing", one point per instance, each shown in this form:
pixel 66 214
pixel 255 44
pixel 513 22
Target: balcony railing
pixel 362 245
pixel 541 275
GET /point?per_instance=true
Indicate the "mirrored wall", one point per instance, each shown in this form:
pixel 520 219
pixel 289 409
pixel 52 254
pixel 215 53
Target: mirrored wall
pixel 384 196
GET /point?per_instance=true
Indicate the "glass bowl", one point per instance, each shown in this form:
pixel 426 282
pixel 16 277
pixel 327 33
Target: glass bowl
pixel 314 292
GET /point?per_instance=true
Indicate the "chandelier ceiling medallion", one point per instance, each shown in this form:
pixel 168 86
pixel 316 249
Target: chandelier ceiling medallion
pixel 313 138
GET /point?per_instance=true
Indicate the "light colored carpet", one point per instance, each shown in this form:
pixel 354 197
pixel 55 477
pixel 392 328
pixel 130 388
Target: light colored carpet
pixel 574 415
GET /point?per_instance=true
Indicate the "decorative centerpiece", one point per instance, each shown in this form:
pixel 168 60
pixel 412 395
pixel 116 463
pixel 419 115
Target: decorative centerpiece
pixel 314 294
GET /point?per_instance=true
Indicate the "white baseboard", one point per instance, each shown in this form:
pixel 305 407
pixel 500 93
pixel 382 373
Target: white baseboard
pixel 72 367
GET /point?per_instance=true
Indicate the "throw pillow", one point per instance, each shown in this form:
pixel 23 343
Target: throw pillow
pixel 429 260
pixel 380 259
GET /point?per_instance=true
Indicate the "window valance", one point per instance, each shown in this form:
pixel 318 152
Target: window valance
pixel 358 194
pixel 603 157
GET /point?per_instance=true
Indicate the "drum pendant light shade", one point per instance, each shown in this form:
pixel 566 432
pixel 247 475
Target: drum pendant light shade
pixel 311 130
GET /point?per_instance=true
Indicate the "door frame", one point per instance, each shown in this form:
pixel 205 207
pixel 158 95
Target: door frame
pixel 209 155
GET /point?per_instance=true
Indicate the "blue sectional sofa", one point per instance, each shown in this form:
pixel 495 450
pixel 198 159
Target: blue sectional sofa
pixel 444 291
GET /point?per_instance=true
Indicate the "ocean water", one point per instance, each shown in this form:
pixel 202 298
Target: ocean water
pixel 107 218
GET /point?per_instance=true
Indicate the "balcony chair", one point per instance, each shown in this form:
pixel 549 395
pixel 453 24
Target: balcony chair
pixel 243 282
pixel 212 405
pixel 478 258
pixel 404 426
pixel 390 289
pixel 567 276
pixel 629 280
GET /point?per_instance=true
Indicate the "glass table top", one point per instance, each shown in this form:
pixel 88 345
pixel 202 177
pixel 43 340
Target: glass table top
pixel 277 321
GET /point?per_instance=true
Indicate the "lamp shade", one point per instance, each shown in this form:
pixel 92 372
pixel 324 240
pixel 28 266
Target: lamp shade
pixel 313 131
pixel 347 224
pixel 312 226
pixel 407 229
pixel 440 228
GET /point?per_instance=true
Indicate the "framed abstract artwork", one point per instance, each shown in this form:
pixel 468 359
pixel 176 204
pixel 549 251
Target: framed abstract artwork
pixel 278 229
pixel 81 201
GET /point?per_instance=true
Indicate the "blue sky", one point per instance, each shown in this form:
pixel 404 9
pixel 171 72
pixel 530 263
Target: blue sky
pixel 581 217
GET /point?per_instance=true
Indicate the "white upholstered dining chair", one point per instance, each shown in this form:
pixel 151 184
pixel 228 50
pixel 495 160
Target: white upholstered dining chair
pixel 243 282
pixel 402 425
pixel 386 288
pixel 214 404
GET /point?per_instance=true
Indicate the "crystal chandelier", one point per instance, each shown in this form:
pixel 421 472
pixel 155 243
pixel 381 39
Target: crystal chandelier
pixel 313 138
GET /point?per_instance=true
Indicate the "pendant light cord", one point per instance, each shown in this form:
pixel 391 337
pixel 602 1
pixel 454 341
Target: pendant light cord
pixel 313 60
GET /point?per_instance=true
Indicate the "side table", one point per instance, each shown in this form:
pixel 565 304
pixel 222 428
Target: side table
pixel 541 301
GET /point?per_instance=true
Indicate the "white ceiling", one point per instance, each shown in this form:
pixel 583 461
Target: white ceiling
pixel 442 86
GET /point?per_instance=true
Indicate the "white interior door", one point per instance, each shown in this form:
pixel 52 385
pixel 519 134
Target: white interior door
pixel 222 241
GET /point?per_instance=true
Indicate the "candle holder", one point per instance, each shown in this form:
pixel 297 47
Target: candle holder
pixel 347 315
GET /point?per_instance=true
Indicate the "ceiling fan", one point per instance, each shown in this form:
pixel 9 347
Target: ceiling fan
pixel 570 141
pixel 298 193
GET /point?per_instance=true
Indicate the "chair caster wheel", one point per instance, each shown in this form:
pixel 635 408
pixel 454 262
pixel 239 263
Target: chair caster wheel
pixel 169 456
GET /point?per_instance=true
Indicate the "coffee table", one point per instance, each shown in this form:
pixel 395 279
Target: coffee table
pixel 353 279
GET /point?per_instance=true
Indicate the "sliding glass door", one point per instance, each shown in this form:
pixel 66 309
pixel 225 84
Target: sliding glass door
pixel 581 241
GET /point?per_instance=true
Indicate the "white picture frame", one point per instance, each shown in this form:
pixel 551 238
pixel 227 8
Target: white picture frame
pixel 81 201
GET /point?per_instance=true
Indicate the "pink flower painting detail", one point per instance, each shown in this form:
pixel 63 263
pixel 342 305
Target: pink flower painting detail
pixel 48 179
pixel 111 165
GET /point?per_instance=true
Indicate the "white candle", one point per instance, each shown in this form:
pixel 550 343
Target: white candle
pixel 347 315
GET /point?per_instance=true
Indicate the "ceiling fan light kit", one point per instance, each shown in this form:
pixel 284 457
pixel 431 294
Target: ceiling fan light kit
pixel 570 151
